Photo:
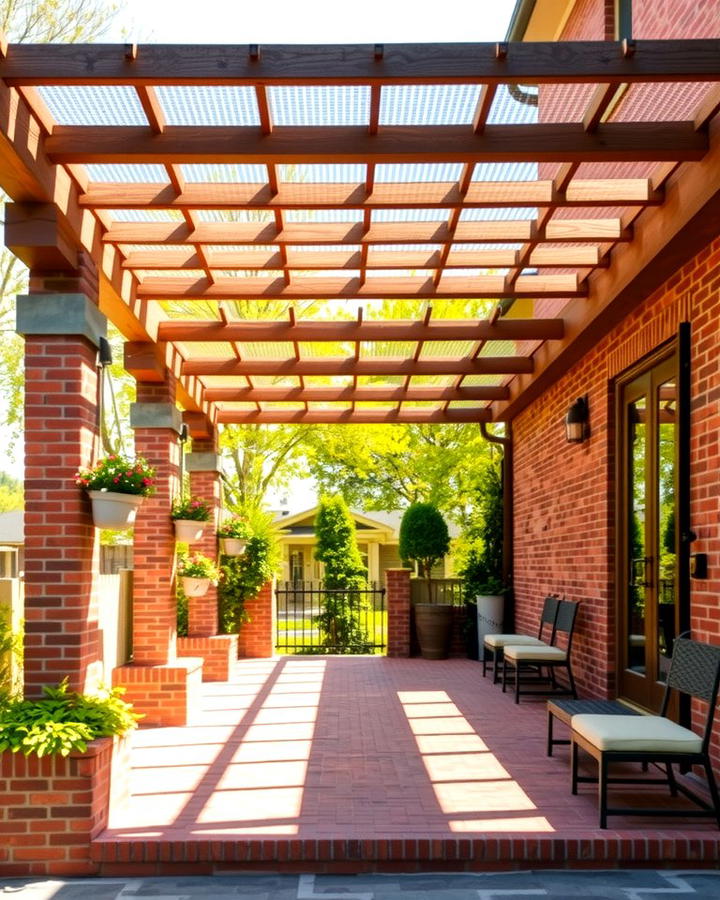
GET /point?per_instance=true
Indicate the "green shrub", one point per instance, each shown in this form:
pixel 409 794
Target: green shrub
pixel 424 536
pixel 63 721
pixel 481 557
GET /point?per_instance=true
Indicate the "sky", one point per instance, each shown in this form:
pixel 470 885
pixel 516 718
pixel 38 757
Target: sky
pixel 311 21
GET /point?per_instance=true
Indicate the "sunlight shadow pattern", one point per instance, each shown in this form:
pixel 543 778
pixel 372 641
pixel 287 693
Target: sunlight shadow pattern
pixel 469 782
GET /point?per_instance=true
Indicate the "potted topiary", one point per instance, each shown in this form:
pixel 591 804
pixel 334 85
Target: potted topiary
pixel 424 538
pixel 234 535
pixel 197 573
pixel 189 515
pixel 116 486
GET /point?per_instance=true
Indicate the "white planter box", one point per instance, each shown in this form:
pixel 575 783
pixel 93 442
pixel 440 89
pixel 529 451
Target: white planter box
pixel 116 511
pixel 189 530
pixel 195 587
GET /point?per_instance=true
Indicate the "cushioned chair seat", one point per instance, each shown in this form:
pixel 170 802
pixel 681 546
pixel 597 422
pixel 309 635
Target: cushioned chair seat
pixel 501 640
pixel 533 652
pixel 644 734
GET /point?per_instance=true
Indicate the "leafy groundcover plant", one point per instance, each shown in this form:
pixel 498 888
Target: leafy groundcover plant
pixel 63 721
pixel 120 475
pixel 190 508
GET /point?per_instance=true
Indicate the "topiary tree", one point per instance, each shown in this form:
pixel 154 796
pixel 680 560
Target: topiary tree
pixel 424 537
pixel 345 576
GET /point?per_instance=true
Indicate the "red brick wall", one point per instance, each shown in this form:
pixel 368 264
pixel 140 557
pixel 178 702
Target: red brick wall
pixel 218 653
pixel 563 494
pixel 256 637
pixel 165 694
pixel 61 629
pixel 53 807
pixel 397 598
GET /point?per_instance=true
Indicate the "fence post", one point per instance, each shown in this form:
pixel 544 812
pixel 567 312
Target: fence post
pixel 398 611
pixel 256 637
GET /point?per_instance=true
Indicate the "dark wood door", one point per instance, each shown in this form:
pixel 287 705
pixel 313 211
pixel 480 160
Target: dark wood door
pixel 648 609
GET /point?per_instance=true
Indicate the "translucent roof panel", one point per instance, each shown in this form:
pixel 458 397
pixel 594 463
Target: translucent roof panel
pixel 498 214
pixel 121 172
pixel 338 173
pixel 511 105
pixel 483 380
pixel 94 105
pixel 380 381
pixel 428 104
pixel 417 172
pixel 505 171
pixel 410 215
pixel 387 349
pixel 326 248
pixel 446 349
pixel 259 350
pixel 326 273
pixel 243 173
pixel 432 380
pixel 323 215
pixel 406 248
pixel 261 216
pixel 275 380
pixel 319 104
pixel 193 104
pixel 147 215
pixel 328 380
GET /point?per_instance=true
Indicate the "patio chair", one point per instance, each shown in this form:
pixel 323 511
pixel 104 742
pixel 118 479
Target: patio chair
pixel 495 642
pixel 540 657
pixel 695 671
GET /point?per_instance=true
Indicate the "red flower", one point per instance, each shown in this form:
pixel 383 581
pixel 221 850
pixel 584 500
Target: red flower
pixel 115 480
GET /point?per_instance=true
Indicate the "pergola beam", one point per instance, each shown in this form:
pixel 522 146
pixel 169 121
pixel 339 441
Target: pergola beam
pixel 351 394
pixel 488 365
pixel 542 142
pixel 368 330
pixel 352 417
pixel 537 62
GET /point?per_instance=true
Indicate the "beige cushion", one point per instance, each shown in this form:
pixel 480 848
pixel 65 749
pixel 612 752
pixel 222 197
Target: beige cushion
pixel 642 733
pixel 500 640
pixel 522 652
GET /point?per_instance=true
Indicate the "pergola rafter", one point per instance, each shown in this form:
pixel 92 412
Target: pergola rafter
pixel 460 198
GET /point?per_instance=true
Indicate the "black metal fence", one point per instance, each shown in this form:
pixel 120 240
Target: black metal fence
pixel 439 590
pixel 315 619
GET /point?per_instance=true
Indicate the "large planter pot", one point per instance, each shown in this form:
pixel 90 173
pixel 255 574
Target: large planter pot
pixel 116 511
pixel 233 546
pixel 195 587
pixel 490 614
pixel 433 624
pixel 188 530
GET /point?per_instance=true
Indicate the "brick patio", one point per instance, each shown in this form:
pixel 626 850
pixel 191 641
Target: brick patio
pixel 354 764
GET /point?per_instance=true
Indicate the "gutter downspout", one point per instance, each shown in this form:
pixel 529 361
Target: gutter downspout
pixel 507 483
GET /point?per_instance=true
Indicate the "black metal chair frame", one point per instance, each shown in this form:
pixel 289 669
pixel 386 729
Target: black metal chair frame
pixel 548 615
pixel 564 624
pixel 695 670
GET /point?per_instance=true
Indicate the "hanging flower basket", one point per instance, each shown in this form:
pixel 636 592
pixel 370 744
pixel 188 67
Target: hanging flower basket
pixel 188 530
pixel 114 511
pixel 234 535
pixel 195 587
pixel 233 546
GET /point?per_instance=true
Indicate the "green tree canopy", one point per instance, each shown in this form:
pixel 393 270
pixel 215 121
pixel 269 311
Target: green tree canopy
pixel 424 536
pixel 337 547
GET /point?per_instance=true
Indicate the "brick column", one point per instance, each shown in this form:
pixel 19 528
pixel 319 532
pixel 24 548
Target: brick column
pixel 257 636
pixel 397 582
pixel 218 650
pixel 61 381
pixel 159 685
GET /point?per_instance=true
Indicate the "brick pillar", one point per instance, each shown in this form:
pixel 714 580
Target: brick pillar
pixel 219 651
pixel 397 582
pixel 257 636
pixel 61 629
pixel 159 685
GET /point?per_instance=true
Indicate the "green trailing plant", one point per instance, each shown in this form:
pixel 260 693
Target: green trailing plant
pixel 345 577
pixel 118 474
pixel 191 508
pixel 198 566
pixel 63 721
pixel 237 527
pixel 243 576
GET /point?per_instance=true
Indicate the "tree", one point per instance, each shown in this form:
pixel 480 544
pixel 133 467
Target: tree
pixel 480 549
pixel 11 493
pixel 345 576
pixel 38 21
pixel 424 537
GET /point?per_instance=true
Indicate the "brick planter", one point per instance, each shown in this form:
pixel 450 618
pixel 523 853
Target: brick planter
pixel 53 807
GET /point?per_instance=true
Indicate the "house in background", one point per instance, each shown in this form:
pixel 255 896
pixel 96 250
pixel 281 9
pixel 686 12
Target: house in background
pixel 378 538
pixel 12 539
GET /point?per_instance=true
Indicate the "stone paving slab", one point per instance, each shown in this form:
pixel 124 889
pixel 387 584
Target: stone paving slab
pixel 557 885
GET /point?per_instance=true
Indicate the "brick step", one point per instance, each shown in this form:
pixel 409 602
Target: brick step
pixel 147 856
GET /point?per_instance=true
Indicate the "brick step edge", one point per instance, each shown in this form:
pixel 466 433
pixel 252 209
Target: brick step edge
pixel 166 856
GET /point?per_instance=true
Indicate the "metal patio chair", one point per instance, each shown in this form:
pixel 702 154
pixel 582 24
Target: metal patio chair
pixel 540 657
pixel 495 642
pixel 695 671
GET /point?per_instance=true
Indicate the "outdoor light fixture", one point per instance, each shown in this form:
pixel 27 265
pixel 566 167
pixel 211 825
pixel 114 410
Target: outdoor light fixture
pixel 577 421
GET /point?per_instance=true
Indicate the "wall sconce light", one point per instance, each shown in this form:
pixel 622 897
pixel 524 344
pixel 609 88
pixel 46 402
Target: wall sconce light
pixel 577 421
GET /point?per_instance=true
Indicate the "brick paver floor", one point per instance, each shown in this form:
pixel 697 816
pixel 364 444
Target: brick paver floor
pixel 361 747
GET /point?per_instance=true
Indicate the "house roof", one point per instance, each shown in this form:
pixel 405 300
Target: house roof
pixel 379 520
pixel 12 528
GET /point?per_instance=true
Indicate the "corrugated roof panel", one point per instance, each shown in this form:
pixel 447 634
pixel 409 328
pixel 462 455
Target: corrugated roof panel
pixel 446 349
pixel 410 215
pixel 107 104
pixel 323 173
pixel 196 104
pixel 498 214
pixel 221 173
pixel 289 381
pixel 145 173
pixel 146 215
pixel 507 110
pixel 323 215
pixel 319 104
pixel 263 350
pixel 483 380
pixel 261 216
pixel 417 172
pixel 428 104
pixel 505 171
pixel 387 349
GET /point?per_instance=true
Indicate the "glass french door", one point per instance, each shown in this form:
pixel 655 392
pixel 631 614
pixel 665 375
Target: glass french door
pixel 648 607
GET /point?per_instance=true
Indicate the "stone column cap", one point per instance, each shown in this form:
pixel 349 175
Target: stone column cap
pixel 205 461
pixel 155 415
pixel 67 314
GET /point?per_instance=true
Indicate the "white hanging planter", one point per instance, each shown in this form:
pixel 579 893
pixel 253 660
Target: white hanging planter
pixel 195 587
pixel 114 511
pixel 233 546
pixel 188 530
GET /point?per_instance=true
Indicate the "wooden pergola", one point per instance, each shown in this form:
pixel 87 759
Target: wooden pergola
pixel 322 180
